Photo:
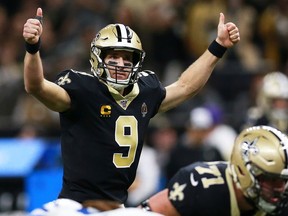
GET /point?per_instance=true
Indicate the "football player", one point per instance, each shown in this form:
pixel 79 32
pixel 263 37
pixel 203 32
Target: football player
pixel 104 115
pixel 67 207
pixel 253 182
pixel 271 102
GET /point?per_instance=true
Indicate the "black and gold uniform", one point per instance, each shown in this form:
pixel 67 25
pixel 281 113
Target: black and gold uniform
pixel 202 188
pixel 103 134
pixel 205 187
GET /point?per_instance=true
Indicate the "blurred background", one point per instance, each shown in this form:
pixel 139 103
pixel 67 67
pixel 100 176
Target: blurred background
pixel 174 33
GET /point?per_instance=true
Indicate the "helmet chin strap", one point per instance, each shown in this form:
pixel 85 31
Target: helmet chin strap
pixel 116 86
pixel 266 206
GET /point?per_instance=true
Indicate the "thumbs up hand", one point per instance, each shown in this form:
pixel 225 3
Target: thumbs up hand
pixel 33 28
pixel 228 33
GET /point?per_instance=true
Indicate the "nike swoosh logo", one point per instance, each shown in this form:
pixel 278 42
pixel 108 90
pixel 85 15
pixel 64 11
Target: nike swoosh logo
pixel 193 182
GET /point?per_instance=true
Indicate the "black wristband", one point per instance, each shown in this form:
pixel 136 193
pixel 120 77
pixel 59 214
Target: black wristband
pixel 216 49
pixel 33 48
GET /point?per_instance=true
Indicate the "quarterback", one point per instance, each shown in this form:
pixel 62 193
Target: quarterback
pixel 104 114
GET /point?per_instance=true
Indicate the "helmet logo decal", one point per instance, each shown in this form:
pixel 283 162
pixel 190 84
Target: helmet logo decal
pixel 97 36
pixel 249 147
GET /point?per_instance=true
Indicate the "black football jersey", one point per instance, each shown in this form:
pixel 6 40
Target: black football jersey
pixel 103 133
pixel 205 189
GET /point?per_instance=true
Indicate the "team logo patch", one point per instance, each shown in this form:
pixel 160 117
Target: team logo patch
pixel 64 80
pixel 177 193
pixel 144 109
pixel 124 103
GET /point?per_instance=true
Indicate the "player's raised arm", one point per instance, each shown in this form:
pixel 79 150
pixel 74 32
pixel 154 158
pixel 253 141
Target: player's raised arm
pixel 196 75
pixel 50 94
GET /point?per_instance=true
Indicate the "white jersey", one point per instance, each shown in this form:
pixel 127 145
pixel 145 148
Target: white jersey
pixel 67 207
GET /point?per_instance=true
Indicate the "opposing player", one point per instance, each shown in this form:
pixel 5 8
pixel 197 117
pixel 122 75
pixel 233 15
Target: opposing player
pixel 253 182
pixel 104 115
pixel 67 207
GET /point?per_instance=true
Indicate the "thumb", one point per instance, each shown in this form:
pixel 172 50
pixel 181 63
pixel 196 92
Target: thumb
pixel 221 19
pixel 39 15
pixel 39 12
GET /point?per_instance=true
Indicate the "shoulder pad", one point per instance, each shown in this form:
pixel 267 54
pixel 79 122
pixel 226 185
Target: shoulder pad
pixel 145 73
pixel 82 73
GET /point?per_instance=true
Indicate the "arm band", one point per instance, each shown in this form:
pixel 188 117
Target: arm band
pixel 145 205
pixel 216 49
pixel 33 48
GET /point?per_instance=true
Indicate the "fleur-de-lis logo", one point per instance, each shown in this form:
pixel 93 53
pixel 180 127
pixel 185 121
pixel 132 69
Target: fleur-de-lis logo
pixel 177 193
pixel 64 80
pixel 249 148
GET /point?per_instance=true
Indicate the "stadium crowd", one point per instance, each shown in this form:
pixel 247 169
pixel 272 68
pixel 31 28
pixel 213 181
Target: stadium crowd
pixel 174 32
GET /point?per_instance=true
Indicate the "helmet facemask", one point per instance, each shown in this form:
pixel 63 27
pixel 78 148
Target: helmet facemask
pixel 112 38
pixel 267 190
pixel 273 191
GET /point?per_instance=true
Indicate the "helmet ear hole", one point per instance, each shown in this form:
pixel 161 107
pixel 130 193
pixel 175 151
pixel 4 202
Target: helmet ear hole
pixel 136 58
pixel 103 54
pixel 240 171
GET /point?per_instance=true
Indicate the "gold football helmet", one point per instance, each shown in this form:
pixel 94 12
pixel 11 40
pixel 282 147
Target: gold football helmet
pixel 273 89
pixel 116 37
pixel 260 152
